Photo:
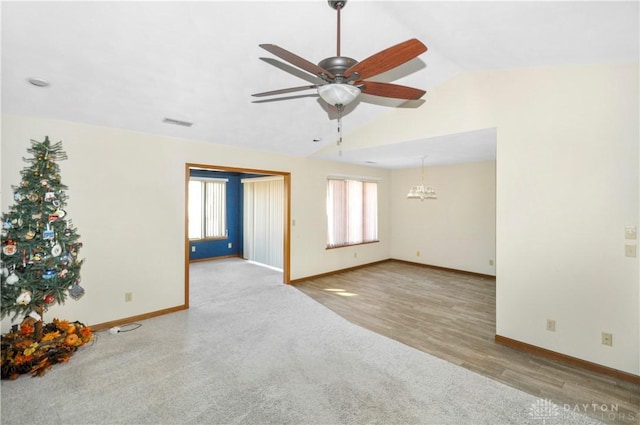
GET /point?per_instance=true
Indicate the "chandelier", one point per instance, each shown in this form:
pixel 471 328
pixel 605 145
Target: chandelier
pixel 421 192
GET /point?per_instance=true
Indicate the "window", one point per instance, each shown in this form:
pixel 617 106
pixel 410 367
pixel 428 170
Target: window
pixel 207 208
pixel 352 212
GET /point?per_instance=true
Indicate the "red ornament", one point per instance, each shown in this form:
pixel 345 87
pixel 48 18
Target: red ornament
pixel 49 299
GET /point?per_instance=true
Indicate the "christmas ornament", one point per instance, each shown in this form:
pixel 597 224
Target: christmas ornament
pixel 76 291
pixel 24 298
pixel 48 234
pixel 56 250
pixel 12 279
pixel 49 299
pixel 9 249
pixel 49 274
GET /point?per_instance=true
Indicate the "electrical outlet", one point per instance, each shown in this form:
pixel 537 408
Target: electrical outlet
pixel 551 325
pixel 128 297
pixel 417 253
pixel 491 262
pixel 629 250
pixel 229 245
pixel 355 255
pixel 193 249
pixel 607 339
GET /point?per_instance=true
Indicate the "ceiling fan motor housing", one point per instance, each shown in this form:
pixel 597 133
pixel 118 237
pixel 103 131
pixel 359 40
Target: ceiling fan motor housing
pixel 337 65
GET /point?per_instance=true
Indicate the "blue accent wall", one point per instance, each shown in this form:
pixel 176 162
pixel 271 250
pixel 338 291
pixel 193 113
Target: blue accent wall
pixel 220 247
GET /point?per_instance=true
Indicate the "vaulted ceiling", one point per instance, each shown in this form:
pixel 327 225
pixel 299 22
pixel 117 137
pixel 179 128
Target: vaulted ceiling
pixel 129 65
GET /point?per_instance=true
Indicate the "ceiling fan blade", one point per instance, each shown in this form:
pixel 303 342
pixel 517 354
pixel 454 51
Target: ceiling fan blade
pixel 278 99
pixel 387 59
pixel 293 70
pixel 395 91
pixel 296 60
pixel 283 91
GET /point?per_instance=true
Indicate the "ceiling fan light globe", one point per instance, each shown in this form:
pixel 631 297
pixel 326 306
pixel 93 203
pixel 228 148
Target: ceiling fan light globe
pixel 338 93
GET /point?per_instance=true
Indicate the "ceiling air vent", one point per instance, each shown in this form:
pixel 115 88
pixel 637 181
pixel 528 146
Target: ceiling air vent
pixel 177 122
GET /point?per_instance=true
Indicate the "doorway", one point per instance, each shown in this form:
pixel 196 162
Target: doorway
pixel 285 199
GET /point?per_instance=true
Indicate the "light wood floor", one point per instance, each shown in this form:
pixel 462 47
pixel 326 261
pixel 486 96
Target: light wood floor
pixel 451 315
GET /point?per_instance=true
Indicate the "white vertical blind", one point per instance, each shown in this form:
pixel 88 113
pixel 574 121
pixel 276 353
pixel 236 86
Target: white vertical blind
pixel 264 220
pixel 216 211
pixel 207 208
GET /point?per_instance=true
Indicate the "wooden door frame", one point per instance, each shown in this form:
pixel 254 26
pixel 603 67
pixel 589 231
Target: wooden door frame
pixel 286 254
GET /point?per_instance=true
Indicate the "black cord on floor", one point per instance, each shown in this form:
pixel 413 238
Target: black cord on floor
pixel 133 327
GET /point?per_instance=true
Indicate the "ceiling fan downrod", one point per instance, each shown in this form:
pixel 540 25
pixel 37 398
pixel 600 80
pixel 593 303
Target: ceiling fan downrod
pixel 338 5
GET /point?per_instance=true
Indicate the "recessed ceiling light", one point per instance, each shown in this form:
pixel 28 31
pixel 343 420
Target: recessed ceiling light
pixel 39 82
pixel 177 122
pixel 316 140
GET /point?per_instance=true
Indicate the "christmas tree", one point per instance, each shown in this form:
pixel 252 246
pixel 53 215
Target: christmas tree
pixel 39 260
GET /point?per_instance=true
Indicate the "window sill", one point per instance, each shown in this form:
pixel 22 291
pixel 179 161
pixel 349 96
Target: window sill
pixel 348 245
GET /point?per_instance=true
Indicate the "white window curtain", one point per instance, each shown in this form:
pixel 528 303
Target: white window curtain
pixel 264 220
pixel 352 212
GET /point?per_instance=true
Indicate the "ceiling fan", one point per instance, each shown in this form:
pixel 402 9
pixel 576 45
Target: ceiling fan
pixel 345 78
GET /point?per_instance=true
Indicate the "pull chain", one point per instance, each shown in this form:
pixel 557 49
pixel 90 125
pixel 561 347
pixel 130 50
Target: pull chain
pixel 340 107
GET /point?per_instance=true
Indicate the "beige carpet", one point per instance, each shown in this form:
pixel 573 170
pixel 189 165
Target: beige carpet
pixel 251 350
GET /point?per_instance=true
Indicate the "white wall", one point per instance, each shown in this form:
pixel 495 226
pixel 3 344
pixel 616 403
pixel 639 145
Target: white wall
pixel 458 229
pixel 567 185
pixel 127 200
